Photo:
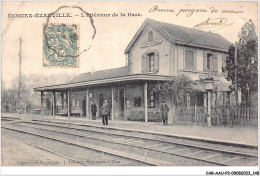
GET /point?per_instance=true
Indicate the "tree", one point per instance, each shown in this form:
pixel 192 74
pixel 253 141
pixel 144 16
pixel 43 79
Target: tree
pixel 10 100
pixel 247 61
pixel 175 88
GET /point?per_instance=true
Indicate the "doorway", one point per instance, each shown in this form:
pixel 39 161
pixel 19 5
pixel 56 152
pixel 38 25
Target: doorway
pixel 84 106
pixel 121 103
pixel 100 101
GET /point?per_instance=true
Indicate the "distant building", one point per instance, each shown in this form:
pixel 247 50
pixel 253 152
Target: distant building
pixel 157 52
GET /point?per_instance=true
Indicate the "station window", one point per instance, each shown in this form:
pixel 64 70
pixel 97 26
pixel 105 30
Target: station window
pixel 151 101
pixel 127 103
pixel 77 103
pixel 209 58
pixel 137 102
pixel 73 103
pixel 189 60
pixel 151 62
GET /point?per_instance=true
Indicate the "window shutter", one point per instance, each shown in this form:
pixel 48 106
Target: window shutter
pixel 223 63
pixel 205 61
pixel 147 64
pixel 215 63
pixel 143 63
pixel 156 61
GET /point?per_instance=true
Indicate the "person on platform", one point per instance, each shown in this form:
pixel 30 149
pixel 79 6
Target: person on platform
pixel 164 111
pixel 104 111
pixel 93 110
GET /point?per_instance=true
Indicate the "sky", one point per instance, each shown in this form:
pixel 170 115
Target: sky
pixel 112 33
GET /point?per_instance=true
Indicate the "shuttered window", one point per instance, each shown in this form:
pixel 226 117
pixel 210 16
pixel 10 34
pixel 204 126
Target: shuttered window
pixel 150 62
pixel 210 62
pixel 189 60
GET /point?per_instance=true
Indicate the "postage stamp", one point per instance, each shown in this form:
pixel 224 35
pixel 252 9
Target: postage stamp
pixel 61 45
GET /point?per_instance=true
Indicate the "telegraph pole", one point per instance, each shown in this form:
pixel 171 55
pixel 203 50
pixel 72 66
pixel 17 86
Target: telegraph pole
pixel 20 73
pixel 236 92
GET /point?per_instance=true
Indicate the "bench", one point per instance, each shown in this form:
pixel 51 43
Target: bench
pixel 76 114
pixel 37 111
pixel 64 112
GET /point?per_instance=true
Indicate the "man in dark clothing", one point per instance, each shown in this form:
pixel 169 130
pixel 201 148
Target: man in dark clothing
pixel 104 111
pixel 93 110
pixel 164 111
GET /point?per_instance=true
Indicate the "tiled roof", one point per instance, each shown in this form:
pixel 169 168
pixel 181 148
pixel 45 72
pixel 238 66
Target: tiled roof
pixel 103 74
pixel 184 35
pixel 189 35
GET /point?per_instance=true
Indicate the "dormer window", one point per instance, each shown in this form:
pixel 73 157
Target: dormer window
pixel 150 36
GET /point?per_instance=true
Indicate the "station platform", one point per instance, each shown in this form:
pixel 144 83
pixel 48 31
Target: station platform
pixel 236 135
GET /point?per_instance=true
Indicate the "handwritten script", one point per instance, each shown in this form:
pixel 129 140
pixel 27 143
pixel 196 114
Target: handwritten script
pixel 213 23
pixel 192 11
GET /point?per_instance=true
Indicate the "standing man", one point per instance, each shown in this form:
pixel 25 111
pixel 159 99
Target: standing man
pixel 93 110
pixel 104 111
pixel 164 111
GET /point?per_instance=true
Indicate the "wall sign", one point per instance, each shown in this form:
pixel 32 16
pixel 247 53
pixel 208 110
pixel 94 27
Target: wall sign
pixel 150 43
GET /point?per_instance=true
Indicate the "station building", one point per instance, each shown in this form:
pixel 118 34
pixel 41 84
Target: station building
pixel 157 52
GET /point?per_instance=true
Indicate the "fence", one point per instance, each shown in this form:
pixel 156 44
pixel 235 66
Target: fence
pixel 220 115
pixel 234 116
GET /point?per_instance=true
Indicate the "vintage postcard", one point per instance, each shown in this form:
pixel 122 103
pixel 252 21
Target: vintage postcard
pixel 130 84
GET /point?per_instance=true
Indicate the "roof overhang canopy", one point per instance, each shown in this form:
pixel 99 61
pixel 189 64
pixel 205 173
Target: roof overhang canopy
pixel 61 87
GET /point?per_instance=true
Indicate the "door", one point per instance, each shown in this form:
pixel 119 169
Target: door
pixel 121 103
pixel 84 106
pixel 100 101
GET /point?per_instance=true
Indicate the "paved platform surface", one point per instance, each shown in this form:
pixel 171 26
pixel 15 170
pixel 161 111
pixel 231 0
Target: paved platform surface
pixel 241 135
pixel 15 153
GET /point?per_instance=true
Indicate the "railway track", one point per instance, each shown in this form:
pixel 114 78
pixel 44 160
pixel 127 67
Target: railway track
pixel 139 147
pixel 9 119
pixel 85 154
